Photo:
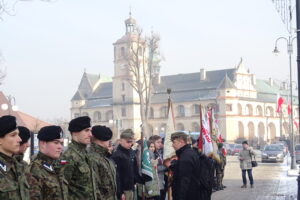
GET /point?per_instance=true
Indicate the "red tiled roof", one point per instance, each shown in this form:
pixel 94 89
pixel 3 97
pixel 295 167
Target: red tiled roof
pixel 23 119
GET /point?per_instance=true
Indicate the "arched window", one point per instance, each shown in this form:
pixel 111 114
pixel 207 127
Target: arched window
pixel 164 112
pixel 180 111
pixel 240 110
pixel 270 111
pixel 97 116
pixel 259 111
pixel 241 130
pixel 249 110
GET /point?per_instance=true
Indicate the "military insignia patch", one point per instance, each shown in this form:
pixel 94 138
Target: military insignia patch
pixel 48 167
pixel 3 166
pixel 63 162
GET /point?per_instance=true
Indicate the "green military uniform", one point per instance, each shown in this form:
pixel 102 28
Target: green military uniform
pixel 220 168
pixel 45 181
pixel 19 158
pixel 13 184
pixel 78 172
pixel 105 173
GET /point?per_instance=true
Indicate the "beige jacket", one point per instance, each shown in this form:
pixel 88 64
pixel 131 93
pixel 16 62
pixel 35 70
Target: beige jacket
pixel 245 158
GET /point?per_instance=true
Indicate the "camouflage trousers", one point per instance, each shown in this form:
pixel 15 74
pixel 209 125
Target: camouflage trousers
pixel 220 176
pixel 128 195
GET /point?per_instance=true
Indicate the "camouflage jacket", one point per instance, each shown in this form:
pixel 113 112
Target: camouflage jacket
pixel 105 173
pixel 19 158
pixel 78 172
pixel 222 164
pixel 13 183
pixel 45 181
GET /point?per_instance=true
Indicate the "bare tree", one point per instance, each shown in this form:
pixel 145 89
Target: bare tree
pixel 8 6
pixel 142 64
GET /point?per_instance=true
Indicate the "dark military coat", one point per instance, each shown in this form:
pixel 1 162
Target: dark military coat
pixel 105 173
pixel 78 172
pixel 13 183
pixel 44 179
pixel 19 158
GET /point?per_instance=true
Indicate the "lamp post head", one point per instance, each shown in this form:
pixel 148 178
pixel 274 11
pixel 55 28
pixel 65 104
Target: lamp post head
pixel 169 91
pixel 276 51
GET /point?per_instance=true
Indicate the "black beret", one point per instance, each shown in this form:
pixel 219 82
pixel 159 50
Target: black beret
pixel 49 133
pixel 80 123
pixel 24 134
pixel 102 133
pixel 7 124
pixel 245 142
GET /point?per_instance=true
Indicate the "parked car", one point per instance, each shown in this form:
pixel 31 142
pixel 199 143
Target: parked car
pixel 272 153
pixel 229 148
pixel 297 152
pixel 236 149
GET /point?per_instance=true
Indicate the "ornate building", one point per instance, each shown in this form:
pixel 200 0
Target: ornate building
pixel 245 106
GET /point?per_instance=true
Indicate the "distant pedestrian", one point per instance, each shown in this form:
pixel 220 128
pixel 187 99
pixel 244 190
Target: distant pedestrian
pixel 245 164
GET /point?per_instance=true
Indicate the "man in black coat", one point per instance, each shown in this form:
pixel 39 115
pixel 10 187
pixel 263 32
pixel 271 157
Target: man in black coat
pixel 125 161
pixel 186 175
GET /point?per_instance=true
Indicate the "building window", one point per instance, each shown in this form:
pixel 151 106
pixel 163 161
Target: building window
pixel 228 107
pixel 164 112
pixel 97 116
pixel 196 109
pixel 122 52
pixel 123 98
pixel 85 114
pixel 123 111
pixel 181 111
pixel 123 86
pixel 109 115
pixel 76 115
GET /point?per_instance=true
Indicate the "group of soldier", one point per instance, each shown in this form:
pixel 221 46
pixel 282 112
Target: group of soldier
pixel 87 169
pixel 53 174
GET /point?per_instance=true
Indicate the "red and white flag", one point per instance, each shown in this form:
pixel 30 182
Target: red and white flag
pixel 289 109
pixel 296 124
pixel 207 146
pixel 169 151
pixel 280 101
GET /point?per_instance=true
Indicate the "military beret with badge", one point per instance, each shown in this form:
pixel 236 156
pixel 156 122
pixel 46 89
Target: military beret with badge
pixel 80 123
pixel 49 133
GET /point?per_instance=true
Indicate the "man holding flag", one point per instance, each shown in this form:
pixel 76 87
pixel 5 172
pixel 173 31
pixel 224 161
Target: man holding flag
pixel 186 174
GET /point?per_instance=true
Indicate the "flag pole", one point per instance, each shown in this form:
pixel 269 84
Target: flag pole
pixel 141 155
pixel 200 139
pixel 169 172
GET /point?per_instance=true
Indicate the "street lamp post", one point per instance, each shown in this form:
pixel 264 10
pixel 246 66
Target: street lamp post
pixel 289 41
pixel 11 106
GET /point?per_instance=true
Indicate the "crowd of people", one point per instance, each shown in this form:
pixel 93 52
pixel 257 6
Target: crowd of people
pixel 94 168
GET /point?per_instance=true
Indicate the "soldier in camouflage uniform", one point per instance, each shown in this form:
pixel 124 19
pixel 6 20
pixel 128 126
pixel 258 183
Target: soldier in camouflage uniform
pixel 77 168
pixel 13 184
pixel 43 175
pixel 24 134
pixel 103 167
pixel 220 168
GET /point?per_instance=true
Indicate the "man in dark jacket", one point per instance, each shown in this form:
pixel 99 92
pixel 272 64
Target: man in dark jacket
pixel 125 165
pixel 186 178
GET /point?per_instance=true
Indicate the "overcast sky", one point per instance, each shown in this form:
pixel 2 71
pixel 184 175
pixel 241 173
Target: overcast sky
pixel 47 46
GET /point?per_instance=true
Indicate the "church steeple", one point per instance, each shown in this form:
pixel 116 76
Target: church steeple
pixel 130 24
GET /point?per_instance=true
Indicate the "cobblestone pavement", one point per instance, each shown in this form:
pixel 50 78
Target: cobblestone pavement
pixel 270 183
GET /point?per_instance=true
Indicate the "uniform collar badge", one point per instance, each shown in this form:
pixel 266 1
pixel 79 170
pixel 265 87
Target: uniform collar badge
pixel 48 167
pixel 3 166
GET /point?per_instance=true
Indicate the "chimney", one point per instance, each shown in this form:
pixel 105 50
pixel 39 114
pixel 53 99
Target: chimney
pixel 253 79
pixel 271 82
pixel 202 74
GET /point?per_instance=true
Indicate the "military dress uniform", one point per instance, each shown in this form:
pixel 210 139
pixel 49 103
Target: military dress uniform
pixel 78 172
pixel 45 181
pixel 105 173
pixel 13 183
